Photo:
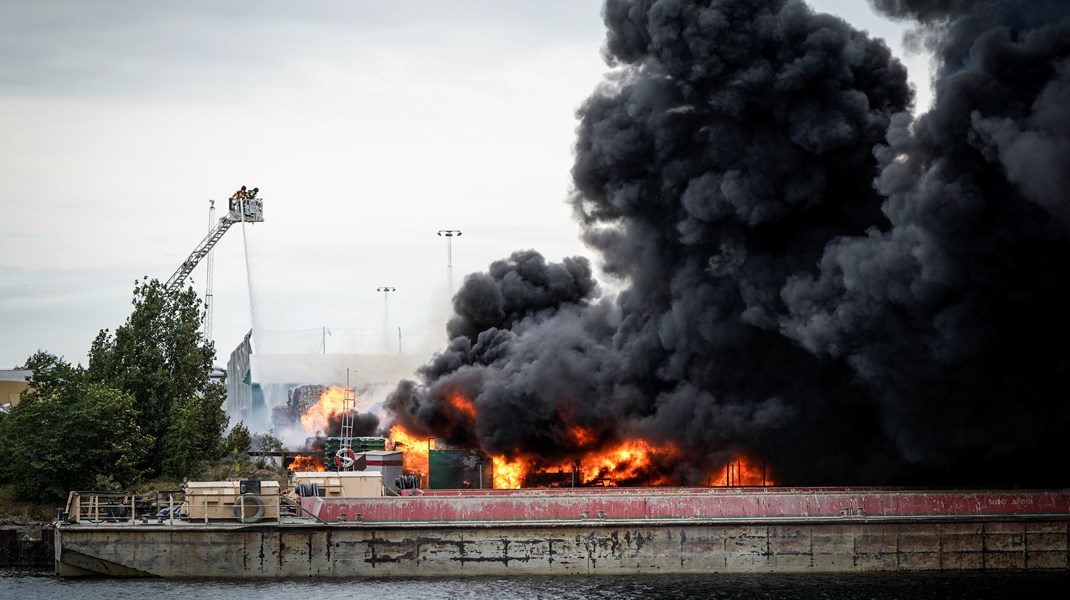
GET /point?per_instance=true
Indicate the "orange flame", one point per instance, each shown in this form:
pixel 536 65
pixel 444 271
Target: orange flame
pixel 627 461
pixel 318 416
pixel 307 463
pixel 508 475
pixel 462 405
pixel 583 435
pixel 413 451
pixel 742 471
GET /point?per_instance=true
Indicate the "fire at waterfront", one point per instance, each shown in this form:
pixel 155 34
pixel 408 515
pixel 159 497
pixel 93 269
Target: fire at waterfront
pixel 810 281
pixel 625 463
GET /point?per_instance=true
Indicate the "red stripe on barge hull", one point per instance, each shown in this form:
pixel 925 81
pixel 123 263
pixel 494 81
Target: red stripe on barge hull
pixel 688 503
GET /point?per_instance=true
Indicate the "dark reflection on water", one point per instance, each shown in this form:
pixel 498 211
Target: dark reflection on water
pixel 31 584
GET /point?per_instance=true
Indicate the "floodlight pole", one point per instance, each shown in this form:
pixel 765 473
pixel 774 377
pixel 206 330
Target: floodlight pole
pixel 449 234
pixel 386 289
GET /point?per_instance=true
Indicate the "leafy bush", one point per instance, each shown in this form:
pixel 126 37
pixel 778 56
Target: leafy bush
pixel 66 434
pixel 238 440
pixel 194 436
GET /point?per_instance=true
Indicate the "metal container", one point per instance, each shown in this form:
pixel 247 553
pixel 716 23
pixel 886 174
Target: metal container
pixel 459 469
pixel 225 501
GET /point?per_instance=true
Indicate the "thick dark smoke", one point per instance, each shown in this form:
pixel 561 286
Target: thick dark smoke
pixel 954 317
pixel 811 278
pixel 928 10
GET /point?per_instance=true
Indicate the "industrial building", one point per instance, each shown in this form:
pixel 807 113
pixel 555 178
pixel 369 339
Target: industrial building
pixel 12 383
pixel 257 382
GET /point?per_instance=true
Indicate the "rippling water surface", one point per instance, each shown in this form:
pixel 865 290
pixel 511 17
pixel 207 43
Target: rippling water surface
pixel 37 583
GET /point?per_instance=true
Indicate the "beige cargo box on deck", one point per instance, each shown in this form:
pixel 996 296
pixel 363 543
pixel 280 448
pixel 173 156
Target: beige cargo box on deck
pixel 342 484
pixel 217 500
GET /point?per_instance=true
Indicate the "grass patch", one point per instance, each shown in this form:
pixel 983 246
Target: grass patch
pixel 17 511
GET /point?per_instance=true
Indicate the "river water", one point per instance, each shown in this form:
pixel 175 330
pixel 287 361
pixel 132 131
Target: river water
pixel 29 584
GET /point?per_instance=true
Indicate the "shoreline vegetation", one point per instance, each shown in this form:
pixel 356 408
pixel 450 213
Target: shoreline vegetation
pixel 18 510
pixel 26 535
pixel 143 415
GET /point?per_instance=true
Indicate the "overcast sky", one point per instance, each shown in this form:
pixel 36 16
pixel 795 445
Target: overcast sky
pixel 367 126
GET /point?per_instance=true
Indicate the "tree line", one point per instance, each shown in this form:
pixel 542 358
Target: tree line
pixel 144 406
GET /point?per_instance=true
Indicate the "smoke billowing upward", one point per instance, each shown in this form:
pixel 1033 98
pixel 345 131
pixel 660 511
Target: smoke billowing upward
pixel 928 10
pixel 812 278
pixel 952 318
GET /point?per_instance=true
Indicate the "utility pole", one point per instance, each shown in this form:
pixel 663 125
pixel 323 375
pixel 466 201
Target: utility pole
pixel 449 234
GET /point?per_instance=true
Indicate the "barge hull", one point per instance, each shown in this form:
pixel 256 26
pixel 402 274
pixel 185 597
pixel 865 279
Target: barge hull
pixel 597 532
pixel 353 550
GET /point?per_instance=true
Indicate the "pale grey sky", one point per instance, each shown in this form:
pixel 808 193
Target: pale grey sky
pixel 367 126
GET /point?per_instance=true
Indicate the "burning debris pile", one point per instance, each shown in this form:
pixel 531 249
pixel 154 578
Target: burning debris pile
pixel 813 278
pixel 317 409
pixel 308 463
pixel 298 402
pixel 311 413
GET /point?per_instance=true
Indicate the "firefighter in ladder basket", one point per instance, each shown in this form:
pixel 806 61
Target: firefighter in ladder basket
pixel 236 197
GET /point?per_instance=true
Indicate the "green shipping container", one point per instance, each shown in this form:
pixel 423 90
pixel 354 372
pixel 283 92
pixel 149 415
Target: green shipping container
pixel 459 469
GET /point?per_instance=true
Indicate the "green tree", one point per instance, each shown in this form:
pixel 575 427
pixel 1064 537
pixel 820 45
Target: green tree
pixel 68 433
pixel 267 442
pixel 238 440
pixel 49 369
pixel 161 357
pixel 195 435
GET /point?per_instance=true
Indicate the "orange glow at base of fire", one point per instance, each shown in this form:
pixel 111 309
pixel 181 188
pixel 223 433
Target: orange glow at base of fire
pixel 318 416
pixel 508 475
pixel 413 451
pixel 626 461
pixel 629 461
pixel 307 463
pixel 742 472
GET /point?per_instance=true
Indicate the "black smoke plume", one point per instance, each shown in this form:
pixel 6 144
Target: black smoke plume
pixel 810 277
pixel 928 11
pixel 953 317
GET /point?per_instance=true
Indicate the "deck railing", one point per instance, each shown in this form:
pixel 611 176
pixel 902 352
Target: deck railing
pixel 119 507
pixel 100 507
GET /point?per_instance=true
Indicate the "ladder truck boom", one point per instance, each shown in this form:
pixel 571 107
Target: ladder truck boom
pixel 248 210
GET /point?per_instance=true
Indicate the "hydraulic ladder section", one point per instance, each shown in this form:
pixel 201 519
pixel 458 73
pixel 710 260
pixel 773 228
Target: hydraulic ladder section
pixel 247 210
pixel 209 275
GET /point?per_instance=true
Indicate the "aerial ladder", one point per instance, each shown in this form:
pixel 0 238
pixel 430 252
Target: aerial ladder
pixel 248 210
